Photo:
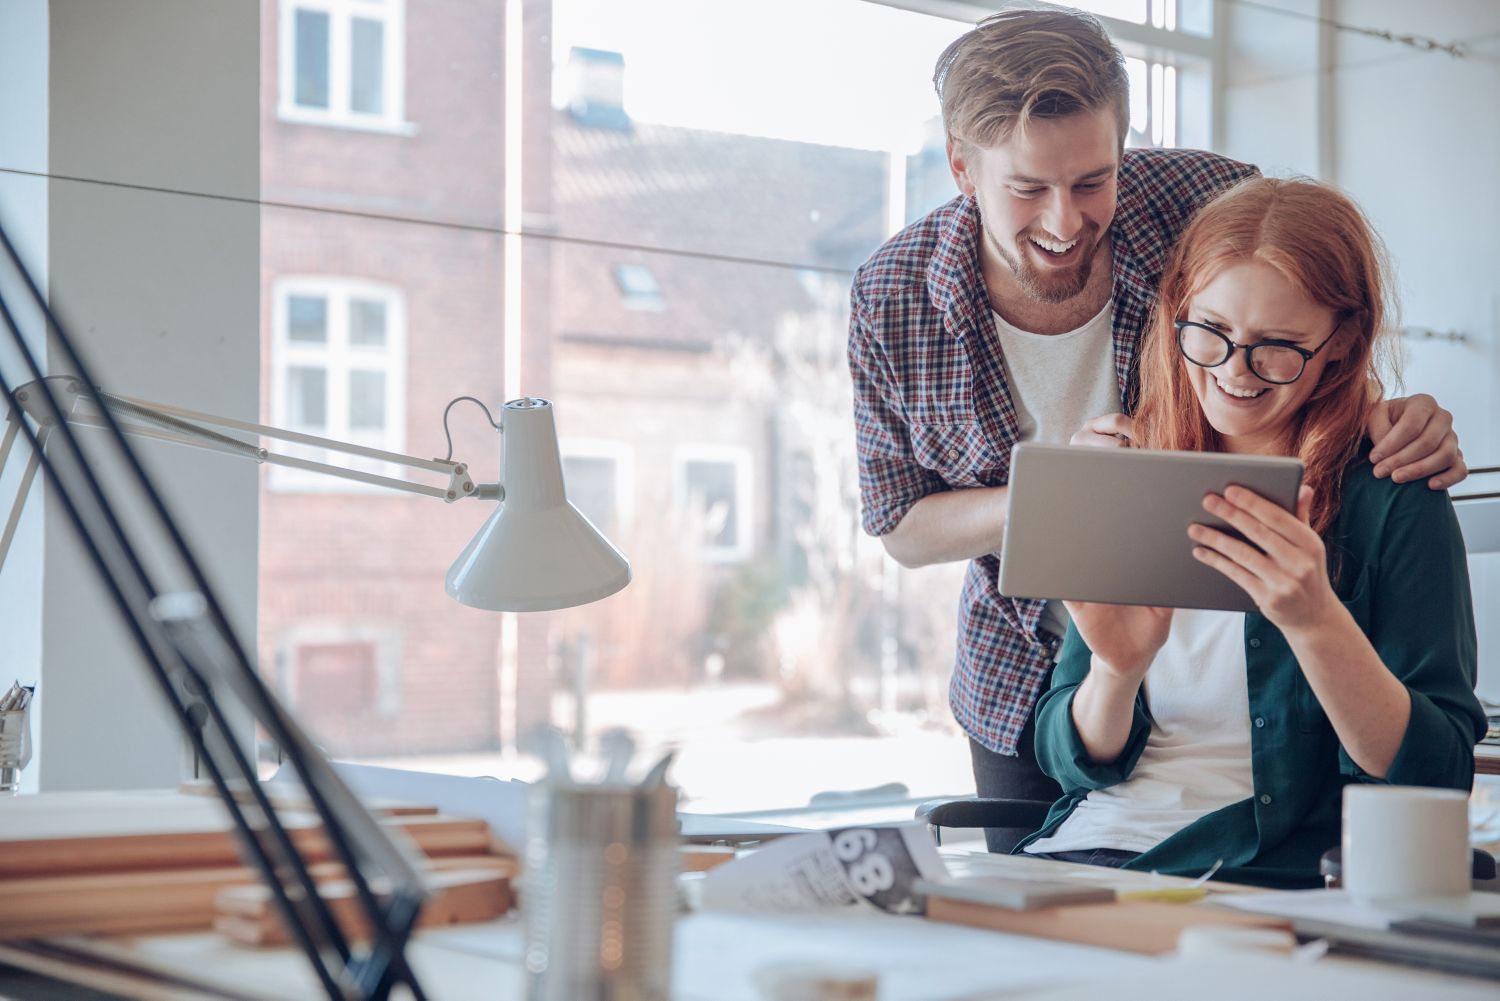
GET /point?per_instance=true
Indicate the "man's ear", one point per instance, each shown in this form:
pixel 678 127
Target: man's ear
pixel 962 162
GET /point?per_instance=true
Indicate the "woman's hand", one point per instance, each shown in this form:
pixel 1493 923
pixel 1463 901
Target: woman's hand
pixel 1124 638
pixel 1109 431
pixel 1288 576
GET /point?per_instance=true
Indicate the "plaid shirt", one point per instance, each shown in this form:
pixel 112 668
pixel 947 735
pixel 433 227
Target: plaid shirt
pixel 933 411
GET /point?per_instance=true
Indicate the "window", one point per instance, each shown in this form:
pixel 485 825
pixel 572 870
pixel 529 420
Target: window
pixel 638 287
pixel 338 370
pixel 597 474
pixel 340 676
pixel 341 62
pixel 675 278
pixel 712 501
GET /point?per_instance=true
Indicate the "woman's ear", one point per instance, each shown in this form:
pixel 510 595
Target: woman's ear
pixel 1343 339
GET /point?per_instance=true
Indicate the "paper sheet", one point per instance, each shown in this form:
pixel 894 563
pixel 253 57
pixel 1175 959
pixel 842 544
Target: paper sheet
pixel 500 802
pixel 872 868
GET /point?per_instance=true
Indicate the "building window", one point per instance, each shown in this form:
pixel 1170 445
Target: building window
pixel 712 492
pixel 638 287
pixel 341 62
pixel 598 478
pixel 340 672
pixel 338 370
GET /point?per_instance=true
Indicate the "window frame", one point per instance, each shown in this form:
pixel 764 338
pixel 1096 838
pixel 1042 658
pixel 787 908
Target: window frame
pixel 623 456
pixel 738 456
pixel 331 631
pixel 338 358
pixel 341 14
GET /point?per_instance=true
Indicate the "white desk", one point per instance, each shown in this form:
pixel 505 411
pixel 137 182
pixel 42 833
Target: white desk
pixel 716 955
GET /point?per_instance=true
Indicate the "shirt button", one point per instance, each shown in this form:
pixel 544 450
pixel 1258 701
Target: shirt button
pixel 953 453
pixel 1265 798
pixel 1255 643
pixel 1260 721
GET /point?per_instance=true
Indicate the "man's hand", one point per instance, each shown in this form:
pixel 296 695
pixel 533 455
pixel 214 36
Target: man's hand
pixel 1413 437
pixel 1109 431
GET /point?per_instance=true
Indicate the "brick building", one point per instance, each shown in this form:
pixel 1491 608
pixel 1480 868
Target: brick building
pixel 701 393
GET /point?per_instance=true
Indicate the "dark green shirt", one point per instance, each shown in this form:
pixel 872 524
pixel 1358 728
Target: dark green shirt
pixel 1400 569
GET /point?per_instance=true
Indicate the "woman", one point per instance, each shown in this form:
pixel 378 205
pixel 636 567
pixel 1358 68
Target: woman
pixel 1186 738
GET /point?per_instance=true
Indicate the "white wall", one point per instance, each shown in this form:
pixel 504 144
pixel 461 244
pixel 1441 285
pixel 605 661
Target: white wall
pixel 23 211
pixel 161 291
pixel 1414 137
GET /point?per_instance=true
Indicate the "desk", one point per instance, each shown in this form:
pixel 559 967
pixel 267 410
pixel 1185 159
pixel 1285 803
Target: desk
pixel 1487 759
pixel 482 961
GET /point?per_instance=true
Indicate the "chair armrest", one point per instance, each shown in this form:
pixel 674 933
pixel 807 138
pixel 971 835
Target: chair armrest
pixel 1482 871
pixel 971 812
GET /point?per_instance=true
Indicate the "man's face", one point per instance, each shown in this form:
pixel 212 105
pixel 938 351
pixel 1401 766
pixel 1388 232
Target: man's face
pixel 1046 199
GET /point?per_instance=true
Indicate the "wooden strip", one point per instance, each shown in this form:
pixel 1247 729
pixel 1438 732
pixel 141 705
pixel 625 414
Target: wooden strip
pixel 165 900
pixel 248 915
pixel 1133 925
pixel 433 835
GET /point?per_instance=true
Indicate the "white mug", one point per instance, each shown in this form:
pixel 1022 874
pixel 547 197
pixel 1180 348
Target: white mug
pixel 1402 842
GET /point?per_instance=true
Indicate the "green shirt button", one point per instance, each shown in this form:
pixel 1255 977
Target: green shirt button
pixel 1265 798
pixel 1254 643
pixel 1260 721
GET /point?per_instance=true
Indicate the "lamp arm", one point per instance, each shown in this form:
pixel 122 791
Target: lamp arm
pixel 194 428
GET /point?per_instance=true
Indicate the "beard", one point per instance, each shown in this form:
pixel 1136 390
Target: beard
pixel 1050 286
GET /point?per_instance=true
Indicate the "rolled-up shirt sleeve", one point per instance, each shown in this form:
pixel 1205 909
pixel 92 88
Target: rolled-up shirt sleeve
pixel 890 478
pixel 1422 626
pixel 1060 750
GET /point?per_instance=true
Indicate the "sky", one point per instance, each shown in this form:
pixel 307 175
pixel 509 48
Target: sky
pixel 840 72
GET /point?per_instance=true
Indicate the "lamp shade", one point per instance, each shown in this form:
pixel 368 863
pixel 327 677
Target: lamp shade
pixel 536 552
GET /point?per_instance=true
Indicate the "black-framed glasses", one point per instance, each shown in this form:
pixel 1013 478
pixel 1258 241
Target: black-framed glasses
pixel 1276 362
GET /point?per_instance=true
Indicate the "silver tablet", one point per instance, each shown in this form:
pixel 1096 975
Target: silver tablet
pixel 1099 524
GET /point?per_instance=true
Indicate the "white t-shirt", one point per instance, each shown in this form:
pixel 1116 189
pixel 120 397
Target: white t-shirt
pixel 1058 381
pixel 1197 758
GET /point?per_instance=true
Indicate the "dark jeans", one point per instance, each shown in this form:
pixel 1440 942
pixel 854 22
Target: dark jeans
pixel 1003 776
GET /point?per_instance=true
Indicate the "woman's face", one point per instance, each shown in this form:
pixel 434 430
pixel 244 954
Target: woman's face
pixel 1250 303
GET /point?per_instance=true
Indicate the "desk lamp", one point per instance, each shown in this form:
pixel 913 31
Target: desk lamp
pixel 536 552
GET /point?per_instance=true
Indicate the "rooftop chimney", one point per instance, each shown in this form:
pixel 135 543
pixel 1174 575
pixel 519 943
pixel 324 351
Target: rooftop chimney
pixel 596 89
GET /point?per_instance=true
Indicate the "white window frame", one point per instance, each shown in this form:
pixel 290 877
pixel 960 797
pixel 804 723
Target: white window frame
pixel 327 632
pixel 739 457
pixel 341 13
pixel 623 456
pixel 338 358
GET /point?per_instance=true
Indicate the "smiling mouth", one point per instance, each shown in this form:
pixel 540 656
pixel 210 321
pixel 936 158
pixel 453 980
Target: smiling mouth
pixel 1056 248
pixel 1235 393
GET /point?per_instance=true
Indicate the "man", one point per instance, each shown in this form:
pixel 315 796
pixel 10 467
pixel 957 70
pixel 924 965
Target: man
pixel 1013 313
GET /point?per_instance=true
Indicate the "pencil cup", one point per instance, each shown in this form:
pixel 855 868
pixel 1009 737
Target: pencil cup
pixel 15 747
pixel 600 891
pixel 1402 842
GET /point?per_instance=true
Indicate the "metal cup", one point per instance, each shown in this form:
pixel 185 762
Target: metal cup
pixel 600 891
pixel 15 747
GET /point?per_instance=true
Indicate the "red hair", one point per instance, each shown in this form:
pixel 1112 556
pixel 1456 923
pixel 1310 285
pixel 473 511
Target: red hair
pixel 1319 240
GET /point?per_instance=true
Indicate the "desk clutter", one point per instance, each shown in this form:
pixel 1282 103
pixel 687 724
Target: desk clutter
pixel 148 862
pixel 15 735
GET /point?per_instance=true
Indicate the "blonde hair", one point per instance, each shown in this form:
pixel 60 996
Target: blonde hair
pixel 1021 65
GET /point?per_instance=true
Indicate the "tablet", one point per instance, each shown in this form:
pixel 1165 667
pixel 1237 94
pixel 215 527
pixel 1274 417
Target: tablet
pixel 1110 524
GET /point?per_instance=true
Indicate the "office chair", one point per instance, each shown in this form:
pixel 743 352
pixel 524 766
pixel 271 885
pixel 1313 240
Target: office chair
pixel 1023 816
